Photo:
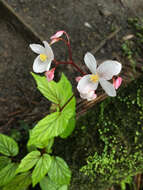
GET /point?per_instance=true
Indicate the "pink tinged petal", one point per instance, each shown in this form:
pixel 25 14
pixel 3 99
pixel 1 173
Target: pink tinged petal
pixel 85 84
pixel 94 96
pixel 38 66
pixel 50 74
pixel 108 69
pixel 89 96
pixel 37 48
pixel 108 87
pixel 57 35
pixel 90 62
pixel 117 82
pixel 54 41
pixel 78 78
pixel 48 51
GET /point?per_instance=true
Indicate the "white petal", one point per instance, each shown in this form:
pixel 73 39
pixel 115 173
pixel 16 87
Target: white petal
pixel 92 98
pixel 85 84
pixel 48 65
pixel 37 48
pixel 89 96
pixel 90 62
pixel 83 96
pixel 108 69
pixel 48 50
pixel 38 66
pixel 108 87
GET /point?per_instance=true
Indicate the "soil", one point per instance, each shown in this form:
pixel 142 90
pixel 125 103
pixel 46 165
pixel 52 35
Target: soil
pixel 102 16
pixel 86 22
pixel 16 84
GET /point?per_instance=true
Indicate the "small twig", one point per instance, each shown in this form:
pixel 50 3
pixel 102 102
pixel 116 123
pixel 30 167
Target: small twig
pixel 105 41
pixel 85 105
pixel 15 113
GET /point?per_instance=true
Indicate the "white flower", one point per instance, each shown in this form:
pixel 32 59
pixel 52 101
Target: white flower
pixel 43 61
pixel 101 75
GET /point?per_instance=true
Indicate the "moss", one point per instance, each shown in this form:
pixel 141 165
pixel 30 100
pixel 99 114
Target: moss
pixel 117 129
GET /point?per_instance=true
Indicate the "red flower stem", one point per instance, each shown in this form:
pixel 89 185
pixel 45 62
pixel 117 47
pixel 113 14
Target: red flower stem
pixel 70 63
pixel 69 50
pixel 82 72
pixel 67 36
pixel 69 47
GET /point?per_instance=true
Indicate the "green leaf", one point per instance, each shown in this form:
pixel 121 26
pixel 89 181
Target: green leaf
pixel 29 161
pixel 51 126
pixel 69 129
pixel 55 92
pixel 7 173
pixel 41 168
pixel 8 146
pixel 56 123
pixel 19 182
pixel 49 146
pixel 39 135
pixel 4 161
pixel 65 90
pixel 47 184
pixel 59 172
pixel 48 89
pixel 64 187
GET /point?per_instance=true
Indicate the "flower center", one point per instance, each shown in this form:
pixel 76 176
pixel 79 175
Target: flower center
pixel 43 57
pixel 94 78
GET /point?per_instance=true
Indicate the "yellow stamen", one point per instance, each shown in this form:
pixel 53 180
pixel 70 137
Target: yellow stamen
pixel 94 78
pixel 43 57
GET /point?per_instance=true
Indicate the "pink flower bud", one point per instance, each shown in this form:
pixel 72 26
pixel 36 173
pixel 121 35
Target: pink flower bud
pixel 54 40
pixel 50 74
pixel 57 35
pixel 78 78
pixel 117 82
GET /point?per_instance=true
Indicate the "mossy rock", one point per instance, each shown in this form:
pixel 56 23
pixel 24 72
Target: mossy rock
pixel 110 137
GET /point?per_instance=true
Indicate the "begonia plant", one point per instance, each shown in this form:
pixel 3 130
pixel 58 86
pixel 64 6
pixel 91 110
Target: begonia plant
pixel 39 165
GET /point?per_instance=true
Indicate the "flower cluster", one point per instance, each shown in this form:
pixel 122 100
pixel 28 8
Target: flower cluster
pixel 87 83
